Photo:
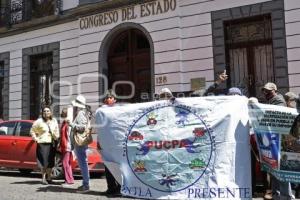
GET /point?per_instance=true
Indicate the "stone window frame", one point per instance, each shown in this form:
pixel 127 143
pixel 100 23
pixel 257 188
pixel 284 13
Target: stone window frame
pixel 273 8
pixel 5 57
pixel 53 48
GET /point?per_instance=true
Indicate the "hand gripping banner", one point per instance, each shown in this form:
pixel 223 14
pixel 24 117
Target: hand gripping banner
pixel 194 148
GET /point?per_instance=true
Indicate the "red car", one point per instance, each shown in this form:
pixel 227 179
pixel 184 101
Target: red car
pixel 17 150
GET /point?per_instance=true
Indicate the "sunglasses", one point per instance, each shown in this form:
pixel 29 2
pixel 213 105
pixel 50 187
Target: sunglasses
pixel 265 91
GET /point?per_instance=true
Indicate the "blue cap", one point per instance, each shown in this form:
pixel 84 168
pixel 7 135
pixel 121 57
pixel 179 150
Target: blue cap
pixel 234 91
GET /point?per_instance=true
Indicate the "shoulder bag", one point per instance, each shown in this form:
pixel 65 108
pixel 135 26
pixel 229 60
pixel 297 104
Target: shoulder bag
pixel 84 138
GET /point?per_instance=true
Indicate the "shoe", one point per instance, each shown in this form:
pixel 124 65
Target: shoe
pixel 112 193
pixel 268 195
pixel 83 189
pixel 67 185
pixel 109 192
pixel 50 181
pixel 44 182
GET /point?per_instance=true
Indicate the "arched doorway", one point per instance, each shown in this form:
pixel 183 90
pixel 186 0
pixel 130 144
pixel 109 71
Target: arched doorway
pixel 129 59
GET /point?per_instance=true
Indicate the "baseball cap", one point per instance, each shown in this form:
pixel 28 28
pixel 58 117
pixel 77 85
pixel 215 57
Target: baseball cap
pixel 110 93
pixel 290 96
pixel 234 91
pixel 270 86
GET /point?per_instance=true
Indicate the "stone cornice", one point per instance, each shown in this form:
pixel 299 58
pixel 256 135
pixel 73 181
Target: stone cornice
pixel 67 16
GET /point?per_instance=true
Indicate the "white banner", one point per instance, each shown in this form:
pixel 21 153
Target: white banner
pixel 195 148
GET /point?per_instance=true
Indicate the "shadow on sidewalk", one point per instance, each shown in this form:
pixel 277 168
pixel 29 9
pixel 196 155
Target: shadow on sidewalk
pixel 37 182
pixel 59 188
pixel 54 188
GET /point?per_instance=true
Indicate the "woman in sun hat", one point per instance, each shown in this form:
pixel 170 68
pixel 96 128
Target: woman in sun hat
pixel 79 124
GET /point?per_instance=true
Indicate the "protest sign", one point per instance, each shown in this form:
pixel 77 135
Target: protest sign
pixel 194 148
pixel 277 141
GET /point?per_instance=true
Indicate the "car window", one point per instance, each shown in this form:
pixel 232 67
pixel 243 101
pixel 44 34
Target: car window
pixel 24 129
pixel 7 128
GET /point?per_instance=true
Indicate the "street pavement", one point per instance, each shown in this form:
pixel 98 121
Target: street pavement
pixel 14 186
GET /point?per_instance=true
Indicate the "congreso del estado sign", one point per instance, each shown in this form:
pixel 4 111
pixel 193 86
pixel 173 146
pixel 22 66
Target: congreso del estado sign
pixel 128 13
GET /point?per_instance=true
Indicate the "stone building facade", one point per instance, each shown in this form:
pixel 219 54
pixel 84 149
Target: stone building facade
pixel 69 47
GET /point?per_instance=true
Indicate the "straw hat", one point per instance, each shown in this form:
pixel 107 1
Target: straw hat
pixel 79 102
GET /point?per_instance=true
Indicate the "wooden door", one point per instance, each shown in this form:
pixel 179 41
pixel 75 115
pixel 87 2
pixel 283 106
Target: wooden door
pixel 249 54
pixel 250 68
pixel 129 60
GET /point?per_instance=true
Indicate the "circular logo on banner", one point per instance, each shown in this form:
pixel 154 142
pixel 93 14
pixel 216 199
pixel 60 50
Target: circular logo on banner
pixel 169 148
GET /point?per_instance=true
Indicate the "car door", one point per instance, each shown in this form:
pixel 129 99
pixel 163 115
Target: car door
pixel 25 148
pixel 7 143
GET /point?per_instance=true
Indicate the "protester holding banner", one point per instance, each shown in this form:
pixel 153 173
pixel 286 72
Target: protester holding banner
pixel 161 150
pixel 279 189
pixel 290 99
pixel 272 96
pixel 113 187
pixel 291 102
pixel 291 141
pixel 254 153
pixel 79 124
pixel 212 88
pixel 165 94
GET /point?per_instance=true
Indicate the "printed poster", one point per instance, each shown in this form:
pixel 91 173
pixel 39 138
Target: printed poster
pixel 277 136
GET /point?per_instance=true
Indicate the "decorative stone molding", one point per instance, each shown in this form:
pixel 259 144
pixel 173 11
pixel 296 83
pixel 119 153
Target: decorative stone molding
pixel 51 47
pixel 273 8
pixel 5 57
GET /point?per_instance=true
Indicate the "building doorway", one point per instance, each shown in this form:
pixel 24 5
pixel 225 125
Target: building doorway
pixel 249 52
pixel 2 74
pixel 41 74
pixel 129 59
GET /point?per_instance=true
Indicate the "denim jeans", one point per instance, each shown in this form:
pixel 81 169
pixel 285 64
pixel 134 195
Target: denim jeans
pixel 81 153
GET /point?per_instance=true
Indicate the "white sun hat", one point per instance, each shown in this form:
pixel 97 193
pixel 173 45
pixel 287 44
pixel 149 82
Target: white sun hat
pixel 79 102
pixel 166 91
